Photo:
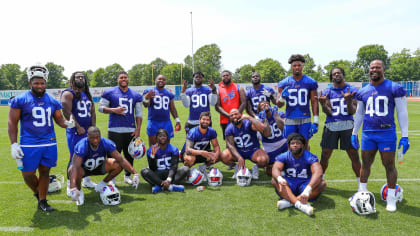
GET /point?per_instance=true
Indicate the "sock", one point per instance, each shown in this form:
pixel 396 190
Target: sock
pixel 358 180
pixel 362 187
pixel 391 192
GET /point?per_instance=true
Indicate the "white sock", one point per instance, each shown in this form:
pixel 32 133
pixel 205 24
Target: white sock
pixel 391 192
pixel 358 180
pixel 363 187
pixel 87 178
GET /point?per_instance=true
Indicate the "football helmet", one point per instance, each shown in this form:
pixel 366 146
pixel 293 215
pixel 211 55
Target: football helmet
pixel 215 177
pixel 37 70
pixel 110 195
pixel 136 148
pixel 56 182
pixel 243 177
pixel 363 203
pixel 398 192
pixel 195 177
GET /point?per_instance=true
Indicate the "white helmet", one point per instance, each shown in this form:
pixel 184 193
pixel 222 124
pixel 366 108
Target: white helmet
pixel 56 182
pixel 243 177
pixel 398 192
pixel 195 177
pixel 215 177
pixel 363 203
pixel 136 148
pixel 37 70
pixel 110 195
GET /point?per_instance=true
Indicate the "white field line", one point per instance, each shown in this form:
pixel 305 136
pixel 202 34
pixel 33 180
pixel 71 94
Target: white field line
pixel 16 229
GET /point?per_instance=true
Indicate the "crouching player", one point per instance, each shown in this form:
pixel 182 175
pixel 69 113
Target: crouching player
pixel 163 172
pixel 302 181
pixel 90 158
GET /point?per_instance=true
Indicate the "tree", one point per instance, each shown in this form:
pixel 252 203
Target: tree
pixel 172 73
pixel 243 74
pixel 98 78
pixel 404 66
pixel 10 74
pixel 139 73
pixel 207 59
pixel 56 78
pixel 346 65
pixel 368 53
pixel 270 70
pixel 111 74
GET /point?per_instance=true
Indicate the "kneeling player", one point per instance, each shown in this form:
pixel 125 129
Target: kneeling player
pixel 163 165
pixel 198 144
pixel 242 141
pixel 90 158
pixel 303 173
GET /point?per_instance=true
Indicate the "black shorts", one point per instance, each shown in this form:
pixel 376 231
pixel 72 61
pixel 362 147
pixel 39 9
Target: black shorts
pixel 330 139
pixel 100 170
pixel 223 130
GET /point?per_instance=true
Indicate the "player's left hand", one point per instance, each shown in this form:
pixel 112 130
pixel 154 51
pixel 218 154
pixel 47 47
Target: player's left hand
pixel 211 84
pixel 302 198
pixel 136 180
pixel 136 133
pixel 165 184
pixel 17 152
pixel 313 130
pixel 80 130
pixel 177 127
pixel 348 96
pixel 405 143
pixel 355 141
pixel 70 123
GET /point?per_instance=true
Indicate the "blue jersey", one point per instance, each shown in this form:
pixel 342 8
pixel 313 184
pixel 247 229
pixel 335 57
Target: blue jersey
pixel 380 105
pixel 159 104
pixel 298 168
pixel 276 139
pixel 94 158
pixel 128 100
pixel 246 139
pixel 338 104
pixel 163 156
pixel 200 141
pixel 257 96
pixel 199 98
pixel 81 109
pixel 299 96
pixel 36 118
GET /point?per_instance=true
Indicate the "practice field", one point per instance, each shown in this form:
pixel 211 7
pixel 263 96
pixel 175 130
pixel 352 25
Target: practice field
pixel 225 210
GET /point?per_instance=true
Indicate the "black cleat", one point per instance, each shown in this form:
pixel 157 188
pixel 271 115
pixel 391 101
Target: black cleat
pixel 36 195
pixel 44 206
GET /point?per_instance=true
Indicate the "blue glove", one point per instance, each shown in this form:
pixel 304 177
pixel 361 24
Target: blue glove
pixel 313 130
pixel 274 109
pixel 405 143
pixel 262 115
pixel 285 92
pixel 355 141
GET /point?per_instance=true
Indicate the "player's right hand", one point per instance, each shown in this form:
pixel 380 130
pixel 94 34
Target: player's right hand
pixel 17 152
pixel 155 148
pixel 262 115
pixel 74 193
pixel 285 92
pixel 136 180
pixel 355 142
pixel 241 163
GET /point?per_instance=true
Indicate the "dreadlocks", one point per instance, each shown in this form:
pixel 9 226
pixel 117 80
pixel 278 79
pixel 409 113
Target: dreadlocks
pixel 74 87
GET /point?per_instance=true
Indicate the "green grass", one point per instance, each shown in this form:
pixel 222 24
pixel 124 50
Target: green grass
pixel 227 210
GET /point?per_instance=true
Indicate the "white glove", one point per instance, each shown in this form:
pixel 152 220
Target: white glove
pixel 75 193
pixel 266 93
pixel 70 123
pixel 17 152
pixel 136 180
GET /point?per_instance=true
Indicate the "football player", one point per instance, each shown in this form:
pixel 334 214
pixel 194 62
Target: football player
pixel 37 147
pixel 160 102
pixel 197 144
pixel 77 103
pixel 296 91
pixel 125 116
pixel 376 104
pixel 302 180
pixel 242 141
pixel 258 93
pixel 91 158
pixel 338 104
pixel 163 172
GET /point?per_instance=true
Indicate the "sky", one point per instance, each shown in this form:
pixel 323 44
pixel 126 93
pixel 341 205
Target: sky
pixel 89 34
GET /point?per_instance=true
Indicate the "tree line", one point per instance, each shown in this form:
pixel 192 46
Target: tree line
pixel 400 66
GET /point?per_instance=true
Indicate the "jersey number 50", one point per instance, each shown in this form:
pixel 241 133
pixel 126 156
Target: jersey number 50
pixel 298 97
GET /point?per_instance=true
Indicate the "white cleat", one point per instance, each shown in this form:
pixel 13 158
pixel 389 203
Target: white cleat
pixel 306 208
pixel 255 172
pixel 283 204
pixel 81 200
pixel 68 191
pixel 128 180
pixel 87 183
pixel 391 203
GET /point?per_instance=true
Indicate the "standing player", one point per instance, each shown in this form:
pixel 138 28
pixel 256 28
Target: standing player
pixel 258 93
pixel 91 158
pixel 37 147
pixel 296 91
pixel 231 96
pixel 163 172
pixel 376 104
pixel 242 141
pixel 275 144
pixel 197 144
pixel 77 102
pixel 122 104
pixel 198 99
pixel 160 102
pixel 302 181
pixel 338 104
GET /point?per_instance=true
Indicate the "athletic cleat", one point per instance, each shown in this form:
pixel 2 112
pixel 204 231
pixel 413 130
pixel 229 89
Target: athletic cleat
pixel 255 172
pixel 306 208
pixel 81 200
pixel 87 183
pixel 44 206
pixel 283 204
pixel 157 189
pixel 128 180
pixel 176 188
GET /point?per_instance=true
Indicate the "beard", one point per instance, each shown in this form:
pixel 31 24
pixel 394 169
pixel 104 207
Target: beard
pixel 297 151
pixel 376 78
pixel 236 122
pixel 204 126
pixel 255 82
pixel 38 94
pixel 79 85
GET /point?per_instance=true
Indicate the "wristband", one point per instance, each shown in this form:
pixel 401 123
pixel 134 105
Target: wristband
pixel 280 179
pixel 146 100
pixel 307 190
pixel 316 119
pixel 177 120
pixel 169 179
pixel 281 99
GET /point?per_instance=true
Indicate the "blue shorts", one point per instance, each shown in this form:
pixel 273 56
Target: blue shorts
pixel 302 129
pixel 35 156
pixel 296 185
pixel 274 154
pixel 72 139
pixel 247 155
pixel 379 140
pixel 153 126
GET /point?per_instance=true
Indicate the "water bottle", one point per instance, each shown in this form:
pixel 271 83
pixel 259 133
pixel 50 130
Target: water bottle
pixel 19 164
pixel 400 157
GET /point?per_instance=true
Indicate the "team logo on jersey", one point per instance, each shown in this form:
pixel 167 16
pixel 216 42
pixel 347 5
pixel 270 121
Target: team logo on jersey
pixel 229 96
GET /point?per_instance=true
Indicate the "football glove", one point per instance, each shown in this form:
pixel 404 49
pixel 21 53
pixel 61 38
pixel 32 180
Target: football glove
pixel 313 130
pixel 266 93
pixel 355 141
pixel 136 180
pixel 70 123
pixel 285 92
pixel 262 115
pixel 17 152
pixel 405 143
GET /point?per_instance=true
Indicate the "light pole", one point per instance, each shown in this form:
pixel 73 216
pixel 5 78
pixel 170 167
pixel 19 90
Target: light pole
pixel 153 78
pixel 192 43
